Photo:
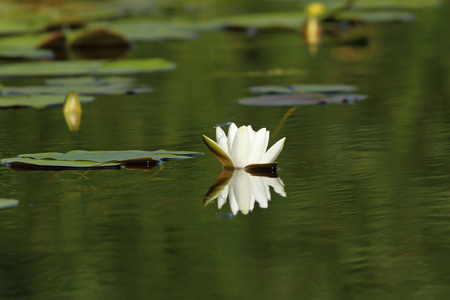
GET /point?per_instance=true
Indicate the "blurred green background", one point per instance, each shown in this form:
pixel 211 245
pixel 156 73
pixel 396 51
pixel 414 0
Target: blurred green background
pixel 367 212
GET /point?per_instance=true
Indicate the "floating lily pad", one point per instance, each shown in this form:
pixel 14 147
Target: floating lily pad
pixel 90 81
pixel 36 101
pixel 303 88
pixel 7 203
pixel 94 160
pixel 288 20
pixel 100 38
pixel 85 67
pixel 146 31
pixel 300 99
pixel 55 165
pixel 25 53
pixel 43 40
pixel 375 16
pixel 396 4
pixel 80 89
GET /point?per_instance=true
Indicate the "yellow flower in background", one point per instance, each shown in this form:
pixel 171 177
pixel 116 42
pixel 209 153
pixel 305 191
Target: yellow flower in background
pixel 72 111
pixel 243 147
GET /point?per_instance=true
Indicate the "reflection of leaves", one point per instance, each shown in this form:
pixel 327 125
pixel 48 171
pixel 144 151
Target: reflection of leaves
pixel 85 67
pixel 300 99
pixel 7 203
pixel 36 101
pixel 80 159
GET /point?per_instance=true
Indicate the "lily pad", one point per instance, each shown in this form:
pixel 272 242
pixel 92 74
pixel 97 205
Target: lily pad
pixel 80 89
pixel 303 88
pixel 55 165
pixel 90 81
pixel 36 101
pixel 300 99
pixel 80 159
pixel 147 31
pixel 375 16
pixel 99 38
pixel 54 40
pixel 85 67
pixel 287 20
pixel 396 4
pixel 7 203
pixel 25 53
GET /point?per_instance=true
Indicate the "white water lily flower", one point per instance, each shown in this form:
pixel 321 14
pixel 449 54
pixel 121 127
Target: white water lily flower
pixel 242 190
pixel 243 146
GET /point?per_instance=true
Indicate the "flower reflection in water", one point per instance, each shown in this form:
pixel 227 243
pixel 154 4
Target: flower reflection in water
pixel 244 188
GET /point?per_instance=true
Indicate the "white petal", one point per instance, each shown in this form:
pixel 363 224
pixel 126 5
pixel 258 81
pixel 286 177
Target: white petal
pixel 259 191
pixel 231 134
pixel 233 203
pixel 259 146
pixel 242 191
pixel 222 139
pixel 222 198
pixel 273 152
pixel 277 185
pixel 251 132
pixel 240 153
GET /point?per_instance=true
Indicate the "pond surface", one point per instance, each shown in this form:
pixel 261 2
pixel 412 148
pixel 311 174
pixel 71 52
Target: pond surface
pixel 367 211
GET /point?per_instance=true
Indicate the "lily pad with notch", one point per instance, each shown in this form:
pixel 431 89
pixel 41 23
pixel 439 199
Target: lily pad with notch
pixel 300 99
pixel 94 160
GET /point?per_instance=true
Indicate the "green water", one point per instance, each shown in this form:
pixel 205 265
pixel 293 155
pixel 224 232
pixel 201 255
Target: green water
pixel 367 212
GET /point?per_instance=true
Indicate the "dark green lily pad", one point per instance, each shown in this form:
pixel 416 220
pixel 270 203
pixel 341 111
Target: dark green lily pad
pixel 80 89
pixel 300 99
pixel 85 67
pixel 90 81
pixel 303 88
pixel 94 160
pixel 7 203
pixel 36 101
pixel 100 38
pixel 375 16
